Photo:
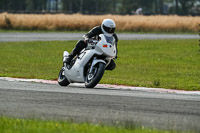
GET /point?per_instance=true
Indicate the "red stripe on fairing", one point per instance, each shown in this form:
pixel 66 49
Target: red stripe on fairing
pixel 105 46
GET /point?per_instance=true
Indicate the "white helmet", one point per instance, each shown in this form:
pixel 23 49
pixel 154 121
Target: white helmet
pixel 108 27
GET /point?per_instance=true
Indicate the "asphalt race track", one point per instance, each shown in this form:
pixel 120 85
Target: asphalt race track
pixel 154 109
pixel 10 37
pixel 100 105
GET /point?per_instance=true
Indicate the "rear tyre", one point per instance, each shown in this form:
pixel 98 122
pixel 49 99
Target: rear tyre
pixel 92 79
pixel 62 80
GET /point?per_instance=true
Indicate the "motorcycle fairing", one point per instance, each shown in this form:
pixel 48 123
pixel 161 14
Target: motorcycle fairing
pixel 77 70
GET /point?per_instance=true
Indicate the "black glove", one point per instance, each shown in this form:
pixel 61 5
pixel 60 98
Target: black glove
pixel 86 39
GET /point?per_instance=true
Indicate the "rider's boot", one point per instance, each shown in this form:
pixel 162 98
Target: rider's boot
pixel 68 59
pixel 79 46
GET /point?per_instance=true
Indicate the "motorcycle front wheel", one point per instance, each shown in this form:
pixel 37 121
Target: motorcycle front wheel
pixel 92 79
pixel 62 80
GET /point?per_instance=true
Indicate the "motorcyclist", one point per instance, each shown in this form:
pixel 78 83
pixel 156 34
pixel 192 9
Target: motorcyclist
pixel 107 28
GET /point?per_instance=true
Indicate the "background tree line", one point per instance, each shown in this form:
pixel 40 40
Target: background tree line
pixel 181 7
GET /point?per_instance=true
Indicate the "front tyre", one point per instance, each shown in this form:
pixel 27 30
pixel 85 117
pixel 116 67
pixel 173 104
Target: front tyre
pixel 92 79
pixel 62 80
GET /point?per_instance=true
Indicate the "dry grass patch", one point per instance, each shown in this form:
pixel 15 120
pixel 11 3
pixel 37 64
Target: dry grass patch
pixel 86 22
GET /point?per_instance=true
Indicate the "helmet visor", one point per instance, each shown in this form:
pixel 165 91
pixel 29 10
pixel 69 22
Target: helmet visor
pixel 108 29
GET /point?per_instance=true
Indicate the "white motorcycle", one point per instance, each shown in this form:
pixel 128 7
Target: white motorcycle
pixel 88 67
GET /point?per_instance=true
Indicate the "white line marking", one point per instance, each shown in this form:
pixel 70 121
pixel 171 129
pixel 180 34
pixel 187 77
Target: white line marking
pixel 108 86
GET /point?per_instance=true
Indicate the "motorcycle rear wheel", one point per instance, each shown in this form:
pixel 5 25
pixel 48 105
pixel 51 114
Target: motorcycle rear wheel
pixel 96 77
pixel 62 80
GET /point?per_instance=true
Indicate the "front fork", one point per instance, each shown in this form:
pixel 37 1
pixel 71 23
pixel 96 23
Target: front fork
pixel 92 71
pixel 94 62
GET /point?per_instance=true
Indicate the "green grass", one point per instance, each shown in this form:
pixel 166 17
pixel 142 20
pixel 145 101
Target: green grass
pixel 173 64
pixel 14 125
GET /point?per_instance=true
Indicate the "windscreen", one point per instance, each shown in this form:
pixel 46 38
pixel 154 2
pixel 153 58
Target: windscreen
pixel 110 40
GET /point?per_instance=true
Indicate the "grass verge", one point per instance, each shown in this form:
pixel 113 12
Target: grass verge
pixel 55 31
pixel 14 125
pixel 136 23
pixel 170 64
pixel 85 31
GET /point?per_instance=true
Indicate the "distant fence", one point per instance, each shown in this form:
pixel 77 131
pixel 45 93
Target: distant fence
pixel 96 13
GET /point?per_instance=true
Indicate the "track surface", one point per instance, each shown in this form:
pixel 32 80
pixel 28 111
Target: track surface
pixel 10 37
pixel 100 105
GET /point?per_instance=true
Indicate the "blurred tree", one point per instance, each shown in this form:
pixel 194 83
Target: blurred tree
pixel 91 7
pixel 98 6
pixel 161 5
pixel 35 5
pixel 186 5
pixel 71 6
pixel 127 6
pixel 12 5
pixel 149 7
pixel 4 4
pixel 176 5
